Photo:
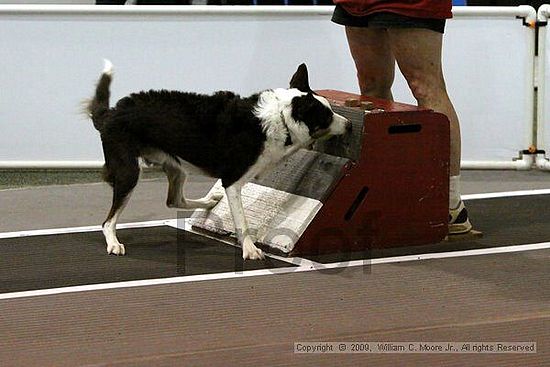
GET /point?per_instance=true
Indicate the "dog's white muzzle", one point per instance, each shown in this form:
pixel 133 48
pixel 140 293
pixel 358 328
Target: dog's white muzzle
pixel 339 125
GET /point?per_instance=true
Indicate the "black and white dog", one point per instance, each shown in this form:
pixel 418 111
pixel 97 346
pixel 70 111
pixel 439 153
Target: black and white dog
pixel 221 135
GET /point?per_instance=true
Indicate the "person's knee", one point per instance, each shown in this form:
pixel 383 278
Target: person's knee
pixel 427 91
pixel 375 85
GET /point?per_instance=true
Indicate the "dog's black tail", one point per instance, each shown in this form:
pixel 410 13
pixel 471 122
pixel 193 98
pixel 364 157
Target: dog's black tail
pixel 98 106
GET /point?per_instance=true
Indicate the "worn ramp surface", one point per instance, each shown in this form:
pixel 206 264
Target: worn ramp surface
pixel 279 206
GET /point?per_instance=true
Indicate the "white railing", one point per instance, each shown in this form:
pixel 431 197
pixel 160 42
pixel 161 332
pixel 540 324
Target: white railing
pixel 54 56
pixel 516 109
pixel 541 82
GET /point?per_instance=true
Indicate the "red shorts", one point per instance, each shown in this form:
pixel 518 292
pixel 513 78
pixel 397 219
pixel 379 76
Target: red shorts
pixel 384 20
pixel 432 9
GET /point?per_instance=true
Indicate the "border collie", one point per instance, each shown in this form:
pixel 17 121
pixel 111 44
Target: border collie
pixel 222 135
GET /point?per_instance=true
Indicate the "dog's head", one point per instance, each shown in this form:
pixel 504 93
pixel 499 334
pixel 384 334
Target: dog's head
pixel 313 110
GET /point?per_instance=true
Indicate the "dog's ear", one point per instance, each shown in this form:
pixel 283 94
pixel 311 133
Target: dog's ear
pixel 300 79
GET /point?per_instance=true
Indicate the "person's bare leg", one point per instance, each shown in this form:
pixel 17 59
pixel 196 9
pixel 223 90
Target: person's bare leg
pixel 374 61
pixel 418 54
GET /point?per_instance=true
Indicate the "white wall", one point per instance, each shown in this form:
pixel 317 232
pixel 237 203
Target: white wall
pixel 51 61
pixel 488 65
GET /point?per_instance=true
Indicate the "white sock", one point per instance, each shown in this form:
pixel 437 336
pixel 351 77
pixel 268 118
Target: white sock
pixel 454 192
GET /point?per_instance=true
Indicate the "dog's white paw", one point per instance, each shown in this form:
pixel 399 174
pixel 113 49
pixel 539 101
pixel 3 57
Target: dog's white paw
pixel 214 197
pixel 216 194
pixel 255 254
pixel 251 252
pixel 116 249
pixel 211 203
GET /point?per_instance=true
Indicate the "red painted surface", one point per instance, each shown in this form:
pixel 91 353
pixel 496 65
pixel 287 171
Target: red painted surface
pixel 407 178
pixel 339 97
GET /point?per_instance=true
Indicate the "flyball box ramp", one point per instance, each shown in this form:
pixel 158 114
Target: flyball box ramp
pixel 386 184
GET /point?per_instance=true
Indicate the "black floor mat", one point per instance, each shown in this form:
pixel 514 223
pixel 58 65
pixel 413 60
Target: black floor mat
pixel 40 262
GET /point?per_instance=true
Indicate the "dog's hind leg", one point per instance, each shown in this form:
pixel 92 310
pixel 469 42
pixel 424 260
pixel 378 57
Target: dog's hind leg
pixel 123 175
pixel 176 198
pixel 250 251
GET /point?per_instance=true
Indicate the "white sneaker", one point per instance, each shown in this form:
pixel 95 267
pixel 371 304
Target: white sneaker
pixel 458 220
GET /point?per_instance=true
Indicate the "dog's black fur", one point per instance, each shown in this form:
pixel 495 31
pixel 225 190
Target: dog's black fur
pixel 221 134
pixel 217 133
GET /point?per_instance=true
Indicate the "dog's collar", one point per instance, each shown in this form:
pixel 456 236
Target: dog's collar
pixel 288 140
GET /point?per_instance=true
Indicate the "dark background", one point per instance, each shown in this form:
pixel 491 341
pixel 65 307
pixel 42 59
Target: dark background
pixel 534 4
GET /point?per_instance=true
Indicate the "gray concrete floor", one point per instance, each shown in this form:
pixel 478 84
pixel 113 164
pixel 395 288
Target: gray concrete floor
pixel 473 298
pixel 57 200
pixel 84 204
pixel 13 179
pixel 474 181
pixel 255 321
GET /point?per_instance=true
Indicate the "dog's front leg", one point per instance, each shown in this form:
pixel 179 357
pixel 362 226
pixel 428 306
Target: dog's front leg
pixel 250 251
